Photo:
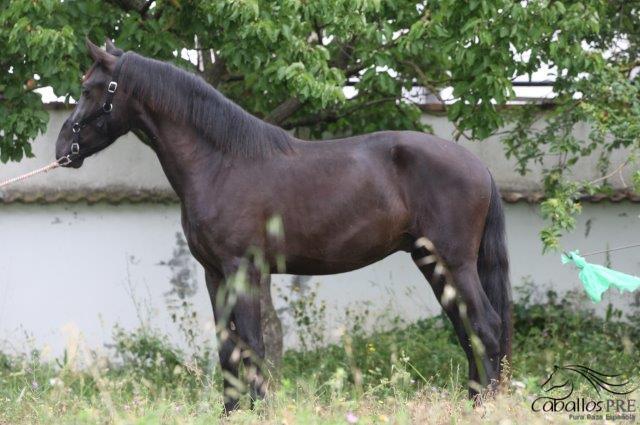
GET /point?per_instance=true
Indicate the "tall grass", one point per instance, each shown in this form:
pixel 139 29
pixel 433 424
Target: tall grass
pixel 405 374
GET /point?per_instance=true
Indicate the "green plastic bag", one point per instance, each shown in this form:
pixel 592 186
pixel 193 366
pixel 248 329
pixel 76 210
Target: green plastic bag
pixel 597 279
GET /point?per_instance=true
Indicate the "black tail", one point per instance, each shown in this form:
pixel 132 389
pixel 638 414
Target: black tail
pixel 493 268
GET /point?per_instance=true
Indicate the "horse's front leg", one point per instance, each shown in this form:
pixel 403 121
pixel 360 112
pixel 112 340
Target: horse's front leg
pixel 226 336
pixel 243 281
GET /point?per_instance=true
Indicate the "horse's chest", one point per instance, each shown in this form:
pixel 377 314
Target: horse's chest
pixel 199 237
pixel 213 238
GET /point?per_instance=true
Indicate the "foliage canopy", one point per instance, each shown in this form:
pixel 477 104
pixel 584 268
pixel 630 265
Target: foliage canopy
pixel 290 62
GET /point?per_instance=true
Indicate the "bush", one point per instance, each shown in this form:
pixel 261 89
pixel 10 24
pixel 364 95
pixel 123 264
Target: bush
pixel 152 380
pixel 549 331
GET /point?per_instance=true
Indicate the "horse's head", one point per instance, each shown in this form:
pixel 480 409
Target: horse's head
pixel 102 112
pixel 558 379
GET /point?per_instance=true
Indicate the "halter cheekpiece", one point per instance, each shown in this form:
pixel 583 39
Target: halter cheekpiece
pixel 105 109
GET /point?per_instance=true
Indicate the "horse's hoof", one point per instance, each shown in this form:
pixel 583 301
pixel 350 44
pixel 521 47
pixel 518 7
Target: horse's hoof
pixel 230 406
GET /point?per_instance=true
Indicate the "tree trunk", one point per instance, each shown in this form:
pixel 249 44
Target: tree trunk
pixel 271 329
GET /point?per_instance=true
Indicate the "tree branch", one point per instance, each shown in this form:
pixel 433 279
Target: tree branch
pixel 618 171
pixel 350 72
pixel 424 81
pixel 140 6
pixel 344 55
pixel 318 29
pixel 232 78
pixel 145 8
pixel 333 116
pixel 214 70
pixel 284 111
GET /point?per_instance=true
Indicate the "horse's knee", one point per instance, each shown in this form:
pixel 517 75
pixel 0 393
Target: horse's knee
pixel 228 355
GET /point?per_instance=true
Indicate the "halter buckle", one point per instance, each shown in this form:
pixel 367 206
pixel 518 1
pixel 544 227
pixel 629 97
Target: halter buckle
pixel 76 128
pixel 75 149
pixel 107 107
pixel 65 160
pixel 112 87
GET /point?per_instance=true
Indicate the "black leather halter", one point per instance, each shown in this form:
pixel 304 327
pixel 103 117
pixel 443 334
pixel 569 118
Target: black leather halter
pixel 105 109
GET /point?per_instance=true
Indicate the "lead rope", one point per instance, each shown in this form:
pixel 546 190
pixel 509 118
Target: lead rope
pixel 55 164
pixel 619 248
pixel 106 108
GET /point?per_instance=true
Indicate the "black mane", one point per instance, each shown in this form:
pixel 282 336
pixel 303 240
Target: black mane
pixel 190 100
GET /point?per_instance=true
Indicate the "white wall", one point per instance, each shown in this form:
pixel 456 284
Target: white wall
pixel 129 165
pixel 96 265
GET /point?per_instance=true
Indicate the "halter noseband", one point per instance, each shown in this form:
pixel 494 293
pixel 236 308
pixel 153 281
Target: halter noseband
pixel 105 109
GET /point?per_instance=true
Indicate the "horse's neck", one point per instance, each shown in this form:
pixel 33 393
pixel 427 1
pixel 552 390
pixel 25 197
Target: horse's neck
pixel 187 160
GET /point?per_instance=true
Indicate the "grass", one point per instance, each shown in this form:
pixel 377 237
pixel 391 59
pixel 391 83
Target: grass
pixel 411 374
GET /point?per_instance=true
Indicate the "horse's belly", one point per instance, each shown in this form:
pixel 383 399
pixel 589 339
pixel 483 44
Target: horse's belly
pixel 343 248
pixel 344 220
pixel 307 266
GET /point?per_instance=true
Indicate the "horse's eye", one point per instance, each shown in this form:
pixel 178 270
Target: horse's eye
pixel 86 92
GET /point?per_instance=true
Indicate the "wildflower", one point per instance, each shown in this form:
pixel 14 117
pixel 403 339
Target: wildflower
pixel 56 382
pixel 351 418
pixel 34 385
pixel 518 384
pixel 448 295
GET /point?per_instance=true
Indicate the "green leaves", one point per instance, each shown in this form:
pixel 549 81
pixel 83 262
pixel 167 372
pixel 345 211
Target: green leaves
pixel 349 66
pixel 32 46
pixel 636 181
pixel 593 87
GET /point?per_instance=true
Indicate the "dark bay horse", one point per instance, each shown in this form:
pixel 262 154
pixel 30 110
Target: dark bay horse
pixel 343 204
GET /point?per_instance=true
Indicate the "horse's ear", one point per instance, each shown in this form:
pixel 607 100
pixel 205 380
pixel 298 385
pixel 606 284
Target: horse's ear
pixel 111 48
pixel 94 51
pixel 100 56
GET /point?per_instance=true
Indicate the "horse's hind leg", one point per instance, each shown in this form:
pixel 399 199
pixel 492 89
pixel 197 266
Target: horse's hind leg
pixel 459 291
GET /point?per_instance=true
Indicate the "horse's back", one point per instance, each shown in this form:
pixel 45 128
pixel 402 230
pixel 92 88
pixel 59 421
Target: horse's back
pixel 406 158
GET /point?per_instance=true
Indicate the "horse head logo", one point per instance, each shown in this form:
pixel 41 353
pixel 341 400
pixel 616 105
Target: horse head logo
pixel 561 381
pixel 558 382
